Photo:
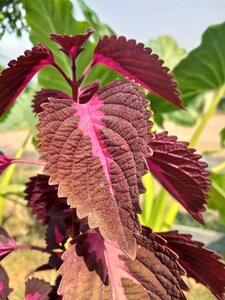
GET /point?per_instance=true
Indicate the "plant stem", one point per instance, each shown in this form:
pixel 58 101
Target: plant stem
pixel 74 82
pixel 30 247
pixel 218 96
pixel 218 168
pixel 68 80
pixel 6 178
pixel 28 161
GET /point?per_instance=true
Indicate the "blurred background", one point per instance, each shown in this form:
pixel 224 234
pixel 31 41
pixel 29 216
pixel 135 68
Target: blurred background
pixel 189 36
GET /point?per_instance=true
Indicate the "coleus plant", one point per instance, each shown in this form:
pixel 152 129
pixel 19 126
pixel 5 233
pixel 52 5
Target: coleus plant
pixel 95 145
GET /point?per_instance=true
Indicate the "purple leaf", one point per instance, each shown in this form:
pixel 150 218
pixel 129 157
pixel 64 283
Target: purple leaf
pixel 42 97
pixel 102 143
pixel 42 197
pixel 5 162
pixel 37 289
pixel 88 91
pixel 138 63
pixel 71 45
pixel 14 79
pixel 179 170
pixel 201 264
pixel 154 274
pixel 4 284
pixel 7 243
pixel 56 233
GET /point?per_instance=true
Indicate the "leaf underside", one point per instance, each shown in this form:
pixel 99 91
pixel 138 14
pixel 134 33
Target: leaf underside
pixel 137 63
pixel 179 170
pixel 102 143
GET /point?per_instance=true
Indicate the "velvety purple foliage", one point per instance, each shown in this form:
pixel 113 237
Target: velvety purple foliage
pixel 95 147
pixel 4 285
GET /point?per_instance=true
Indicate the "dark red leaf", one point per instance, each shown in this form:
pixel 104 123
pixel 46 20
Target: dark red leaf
pixel 71 45
pixel 154 274
pixel 4 284
pixel 42 197
pixel 7 243
pixel 14 79
pixel 42 97
pixel 96 153
pixel 56 234
pixel 88 91
pixel 179 170
pixel 37 289
pixel 5 162
pixel 137 63
pixel 201 264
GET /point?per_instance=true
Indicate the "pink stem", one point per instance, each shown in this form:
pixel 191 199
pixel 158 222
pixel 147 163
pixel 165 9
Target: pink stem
pixel 86 71
pixel 28 161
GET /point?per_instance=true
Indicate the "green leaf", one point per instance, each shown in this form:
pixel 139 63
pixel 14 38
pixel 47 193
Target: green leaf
pixel 167 49
pixel 94 21
pixel 216 199
pixel 54 16
pixel 201 71
pixel 222 138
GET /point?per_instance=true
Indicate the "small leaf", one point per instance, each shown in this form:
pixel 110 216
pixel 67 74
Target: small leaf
pixel 201 264
pixel 7 243
pixel 154 274
pixel 37 289
pixel 42 197
pixel 42 97
pixel 4 284
pixel 137 63
pixel 102 141
pixel 71 45
pixel 88 91
pixel 179 170
pixel 14 79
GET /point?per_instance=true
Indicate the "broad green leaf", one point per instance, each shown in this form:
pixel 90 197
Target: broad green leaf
pixel 222 138
pixel 167 49
pixel 94 21
pixel 216 199
pixel 54 16
pixel 201 71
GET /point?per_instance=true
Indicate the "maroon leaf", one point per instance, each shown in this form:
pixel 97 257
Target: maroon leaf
pixel 4 284
pixel 95 153
pixel 5 162
pixel 37 289
pixel 56 234
pixel 14 79
pixel 42 97
pixel 42 197
pixel 7 243
pixel 137 63
pixel 201 264
pixel 71 45
pixel 179 170
pixel 88 91
pixel 154 274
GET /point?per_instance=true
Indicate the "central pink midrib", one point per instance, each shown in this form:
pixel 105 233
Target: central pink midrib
pixel 90 124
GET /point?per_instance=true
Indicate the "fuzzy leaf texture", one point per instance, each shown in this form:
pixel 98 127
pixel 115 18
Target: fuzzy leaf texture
pixel 37 289
pixel 14 79
pixel 201 264
pixel 181 172
pixel 139 64
pixel 95 269
pixel 95 153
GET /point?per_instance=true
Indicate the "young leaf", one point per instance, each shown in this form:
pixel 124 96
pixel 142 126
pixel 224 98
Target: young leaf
pixel 14 79
pixel 37 289
pixel 42 97
pixel 88 91
pixel 154 274
pixel 7 243
pixel 179 170
pixel 100 158
pixel 4 284
pixel 201 264
pixel 42 197
pixel 71 45
pixel 137 63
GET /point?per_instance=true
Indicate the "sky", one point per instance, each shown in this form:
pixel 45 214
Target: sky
pixel 185 20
